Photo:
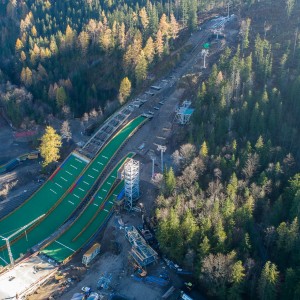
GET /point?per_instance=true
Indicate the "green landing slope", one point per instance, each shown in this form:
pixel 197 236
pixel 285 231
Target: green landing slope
pixel 89 222
pixel 70 201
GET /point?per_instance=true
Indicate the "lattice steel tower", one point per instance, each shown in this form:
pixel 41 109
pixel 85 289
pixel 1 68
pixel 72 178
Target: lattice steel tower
pixel 132 182
pixel 184 113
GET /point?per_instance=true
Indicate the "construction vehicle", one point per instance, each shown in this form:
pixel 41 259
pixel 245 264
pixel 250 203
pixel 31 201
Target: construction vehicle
pixel 91 254
pixel 58 276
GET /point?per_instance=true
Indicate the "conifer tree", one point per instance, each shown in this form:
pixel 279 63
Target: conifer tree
pixel 170 181
pixel 149 50
pixel 19 45
pixel 268 282
pixel 125 90
pixel 61 97
pixel 159 44
pixel 144 18
pixel 174 27
pixel 204 149
pixel 141 68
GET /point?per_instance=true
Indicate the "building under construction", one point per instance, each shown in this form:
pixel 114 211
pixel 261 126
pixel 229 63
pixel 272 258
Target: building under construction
pixel 141 252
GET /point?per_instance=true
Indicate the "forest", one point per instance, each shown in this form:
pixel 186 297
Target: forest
pixel 229 209
pixel 69 57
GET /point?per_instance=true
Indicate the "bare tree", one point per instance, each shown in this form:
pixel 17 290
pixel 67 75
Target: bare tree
pixel 184 156
pixel 85 117
pixel 251 165
pixel 93 113
pixel 216 271
pixel 66 131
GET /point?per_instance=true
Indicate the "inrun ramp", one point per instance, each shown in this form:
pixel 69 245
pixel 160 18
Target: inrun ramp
pixel 45 197
pixel 90 221
pixel 68 204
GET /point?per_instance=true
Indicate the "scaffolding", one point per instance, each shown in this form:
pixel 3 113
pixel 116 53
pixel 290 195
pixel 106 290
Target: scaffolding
pixel 132 182
pixel 141 252
pixel 184 112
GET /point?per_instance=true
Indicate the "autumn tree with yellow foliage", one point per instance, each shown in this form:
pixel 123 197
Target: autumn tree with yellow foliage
pixel 125 90
pixel 50 145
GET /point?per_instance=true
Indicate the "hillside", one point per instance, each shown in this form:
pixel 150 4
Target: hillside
pixel 229 208
pixel 71 56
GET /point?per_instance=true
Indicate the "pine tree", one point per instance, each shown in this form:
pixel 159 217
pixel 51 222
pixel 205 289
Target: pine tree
pixel 153 20
pixel 106 39
pixel 70 35
pixel 237 273
pixel 245 28
pixel 159 44
pixel 141 68
pixel 204 149
pixel 23 56
pixel 192 15
pixel 204 248
pixel 61 96
pixel 164 25
pixel 174 27
pixel 93 30
pixel 184 11
pixel 149 50
pixel 125 90
pixel 50 145
pixel 170 181
pixel 259 143
pixel 268 282
pixel 144 18
pixel 290 282
pixel 189 228
pixel 53 46
pixel 122 36
pixel 289 7
pixel 26 76
pixel 33 31
pixel 83 41
pixel 19 45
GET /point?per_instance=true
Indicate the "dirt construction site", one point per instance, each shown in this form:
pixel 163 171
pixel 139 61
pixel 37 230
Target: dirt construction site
pixel 113 273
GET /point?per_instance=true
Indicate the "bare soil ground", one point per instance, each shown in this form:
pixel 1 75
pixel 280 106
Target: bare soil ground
pixel 9 147
pixel 110 261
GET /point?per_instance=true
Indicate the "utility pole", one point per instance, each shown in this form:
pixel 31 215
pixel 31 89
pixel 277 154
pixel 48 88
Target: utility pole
pixel 204 53
pixel 162 149
pixel 217 32
pixel 228 10
pixel 295 43
pixel 12 262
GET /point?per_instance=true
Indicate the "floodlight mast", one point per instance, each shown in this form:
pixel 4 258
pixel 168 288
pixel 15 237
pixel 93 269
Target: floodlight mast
pixel 6 239
pixel 153 158
pixel 162 149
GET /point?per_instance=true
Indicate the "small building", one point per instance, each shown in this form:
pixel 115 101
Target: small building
pixel 184 113
pixel 91 254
